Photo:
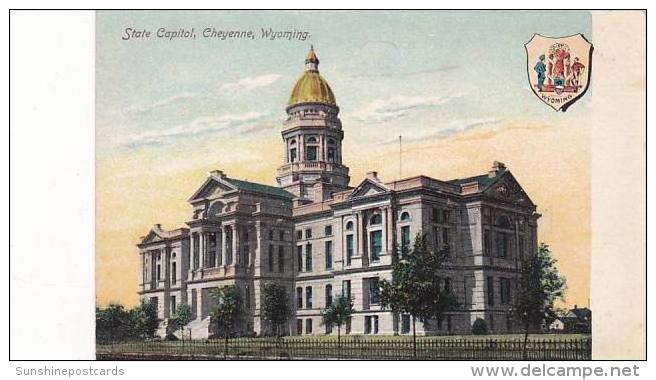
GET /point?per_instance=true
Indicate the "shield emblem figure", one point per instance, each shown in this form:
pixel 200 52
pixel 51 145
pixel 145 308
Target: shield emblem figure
pixel 558 68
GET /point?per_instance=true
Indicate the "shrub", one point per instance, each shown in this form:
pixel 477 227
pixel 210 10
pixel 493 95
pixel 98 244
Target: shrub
pixel 479 327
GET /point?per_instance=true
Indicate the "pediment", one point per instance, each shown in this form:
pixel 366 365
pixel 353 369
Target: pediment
pixel 508 189
pixel 212 188
pixel 368 188
pixel 152 237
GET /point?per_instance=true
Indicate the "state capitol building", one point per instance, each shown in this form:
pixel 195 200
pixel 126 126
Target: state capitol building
pixel 317 235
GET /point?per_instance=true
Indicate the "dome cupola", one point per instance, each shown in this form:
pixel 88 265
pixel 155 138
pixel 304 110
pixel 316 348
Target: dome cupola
pixel 311 87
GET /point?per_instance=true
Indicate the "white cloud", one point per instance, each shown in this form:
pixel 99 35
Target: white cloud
pixel 200 125
pixel 399 106
pixel 249 83
pixel 162 103
pixel 452 128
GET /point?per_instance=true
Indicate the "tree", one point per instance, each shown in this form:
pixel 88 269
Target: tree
pixel 113 323
pixel 337 314
pixel 539 287
pixel 479 327
pixel 227 311
pixel 144 320
pixel 416 287
pixel 275 306
pixel 182 316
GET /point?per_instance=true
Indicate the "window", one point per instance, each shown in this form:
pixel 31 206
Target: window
pixel 328 230
pixel 247 298
pixel 376 219
pixel 174 274
pixel 367 324
pixel 405 216
pixel 299 235
pixel 371 324
pixel 435 215
pixel 405 324
pixel 405 239
pixel 299 298
pixel 308 233
pixel 448 287
pixel 329 295
pixel 299 327
pixel 159 271
pixel 374 290
pixel 445 240
pixel 308 257
pixel 281 259
pixel 502 245
pixel 299 258
pixel 349 226
pixel 271 234
pixel 308 326
pixel 329 328
pixel 346 288
pixel 308 297
pixel 349 249
pixel 331 154
pixel 505 290
pixel 270 258
pixel 292 155
pixel 281 235
pixel 446 216
pixel 173 304
pixel 329 255
pixel 487 243
pixel 490 290
pixel 376 244
pixel 311 153
pixel 196 249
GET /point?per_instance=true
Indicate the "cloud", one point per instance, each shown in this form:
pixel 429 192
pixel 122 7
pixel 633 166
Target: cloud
pixel 161 103
pixel 399 106
pixel 453 128
pixel 250 83
pixel 200 125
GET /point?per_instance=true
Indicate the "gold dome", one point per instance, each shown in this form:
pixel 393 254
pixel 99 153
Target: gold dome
pixel 311 87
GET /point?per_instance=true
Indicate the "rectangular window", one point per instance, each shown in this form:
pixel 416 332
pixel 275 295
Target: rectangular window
pixel 329 255
pixel 502 245
pixel 374 320
pixel 173 304
pixel 299 298
pixel 329 230
pixel 281 259
pixel 308 233
pixel 446 216
pixel 311 153
pixel 405 239
pixel 270 258
pixel 247 298
pixel 445 240
pixel 346 288
pixel 349 249
pixel 505 290
pixel 376 244
pixel 299 257
pixel 448 287
pixel 299 327
pixel 490 290
pixel 159 271
pixel 308 257
pixel 435 215
pixel 299 235
pixel 367 324
pixel 487 243
pixel 292 155
pixel 174 273
pixel 271 234
pixel 405 324
pixel 308 326
pixel 374 291
pixel 308 297
pixel 281 235
pixel 329 295
pixel 246 255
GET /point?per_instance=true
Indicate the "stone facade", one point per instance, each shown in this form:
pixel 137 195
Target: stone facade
pixel 317 236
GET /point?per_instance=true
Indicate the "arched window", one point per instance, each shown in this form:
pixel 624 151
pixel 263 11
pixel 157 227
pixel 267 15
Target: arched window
pixel 331 142
pixel 312 149
pixel 292 151
pixel 405 216
pixel 312 140
pixel 349 226
pixel 376 219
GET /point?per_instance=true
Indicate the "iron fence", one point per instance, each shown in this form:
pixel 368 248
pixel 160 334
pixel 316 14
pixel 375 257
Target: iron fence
pixel 361 349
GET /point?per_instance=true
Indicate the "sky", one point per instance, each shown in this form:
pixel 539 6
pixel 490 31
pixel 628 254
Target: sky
pixel 453 84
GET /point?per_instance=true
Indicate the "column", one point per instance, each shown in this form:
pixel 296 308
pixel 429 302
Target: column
pixel 201 249
pixel 192 244
pixel 219 247
pixel 235 244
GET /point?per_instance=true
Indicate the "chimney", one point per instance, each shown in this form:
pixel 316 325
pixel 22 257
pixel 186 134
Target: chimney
pixel 158 226
pixel 497 168
pixel 373 176
pixel 218 173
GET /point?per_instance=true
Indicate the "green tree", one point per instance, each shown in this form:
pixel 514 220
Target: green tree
pixel 182 316
pixel 275 306
pixel 227 312
pixel 338 313
pixel 113 323
pixel 144 320
pixel 416 287
pixel 539 287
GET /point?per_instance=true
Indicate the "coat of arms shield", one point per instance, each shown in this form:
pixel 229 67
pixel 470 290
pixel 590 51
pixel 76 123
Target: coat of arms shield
pixel 558 68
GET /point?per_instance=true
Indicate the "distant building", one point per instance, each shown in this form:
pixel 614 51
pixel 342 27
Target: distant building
pixel 318 236
pixel 578 320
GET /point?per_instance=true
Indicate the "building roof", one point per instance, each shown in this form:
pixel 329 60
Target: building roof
pixel 260 188
pixel 483 180
pixel 311 87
